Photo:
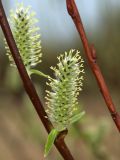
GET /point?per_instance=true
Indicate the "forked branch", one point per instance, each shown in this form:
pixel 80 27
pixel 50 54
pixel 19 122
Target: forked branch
pixel 91 57
pixel 29 87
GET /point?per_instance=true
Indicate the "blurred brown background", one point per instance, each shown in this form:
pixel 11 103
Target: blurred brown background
pixel 22 135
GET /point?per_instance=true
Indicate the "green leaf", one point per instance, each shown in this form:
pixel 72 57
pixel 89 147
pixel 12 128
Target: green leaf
pixel 50 141
pixel 77 117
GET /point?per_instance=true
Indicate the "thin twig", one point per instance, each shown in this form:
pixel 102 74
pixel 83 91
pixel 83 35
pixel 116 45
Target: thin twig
pixel 91 57
pixel 29 87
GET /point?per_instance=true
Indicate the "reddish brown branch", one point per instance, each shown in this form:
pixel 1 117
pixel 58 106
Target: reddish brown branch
pixel 60 144
pixel 91 56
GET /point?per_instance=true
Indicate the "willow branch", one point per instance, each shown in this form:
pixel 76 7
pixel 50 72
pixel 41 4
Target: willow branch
pixel 29 87
pixel 92 60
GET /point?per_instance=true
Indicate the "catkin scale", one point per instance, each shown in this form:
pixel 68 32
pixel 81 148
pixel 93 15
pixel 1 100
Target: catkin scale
pixel 61 101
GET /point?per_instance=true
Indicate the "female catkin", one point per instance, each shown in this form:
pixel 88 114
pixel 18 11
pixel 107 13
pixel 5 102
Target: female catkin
pixel 61 101
pixel 27 38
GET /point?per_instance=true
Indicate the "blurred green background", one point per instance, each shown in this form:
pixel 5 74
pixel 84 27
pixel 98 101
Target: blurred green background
pixel 22 135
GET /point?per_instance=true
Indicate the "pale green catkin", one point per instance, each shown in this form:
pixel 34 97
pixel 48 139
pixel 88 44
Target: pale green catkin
pixel 26 35
pixel 62 100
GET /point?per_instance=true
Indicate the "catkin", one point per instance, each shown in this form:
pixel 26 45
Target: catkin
pixel 61 100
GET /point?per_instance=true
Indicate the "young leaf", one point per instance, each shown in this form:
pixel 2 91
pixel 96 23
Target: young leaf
pixel 77 117
pixel 50 141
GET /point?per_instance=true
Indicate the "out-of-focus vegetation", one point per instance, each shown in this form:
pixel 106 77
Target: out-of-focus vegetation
pixel 22 135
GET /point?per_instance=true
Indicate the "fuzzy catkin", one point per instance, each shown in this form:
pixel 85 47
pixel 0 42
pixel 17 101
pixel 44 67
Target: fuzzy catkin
pixel 61 101
pixel 26 35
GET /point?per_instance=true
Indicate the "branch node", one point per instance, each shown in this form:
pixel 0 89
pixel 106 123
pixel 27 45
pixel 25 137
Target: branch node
pixel 69 8
pixel 114 115
pixel 72 12
pixel 62 135
pixel 93 53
